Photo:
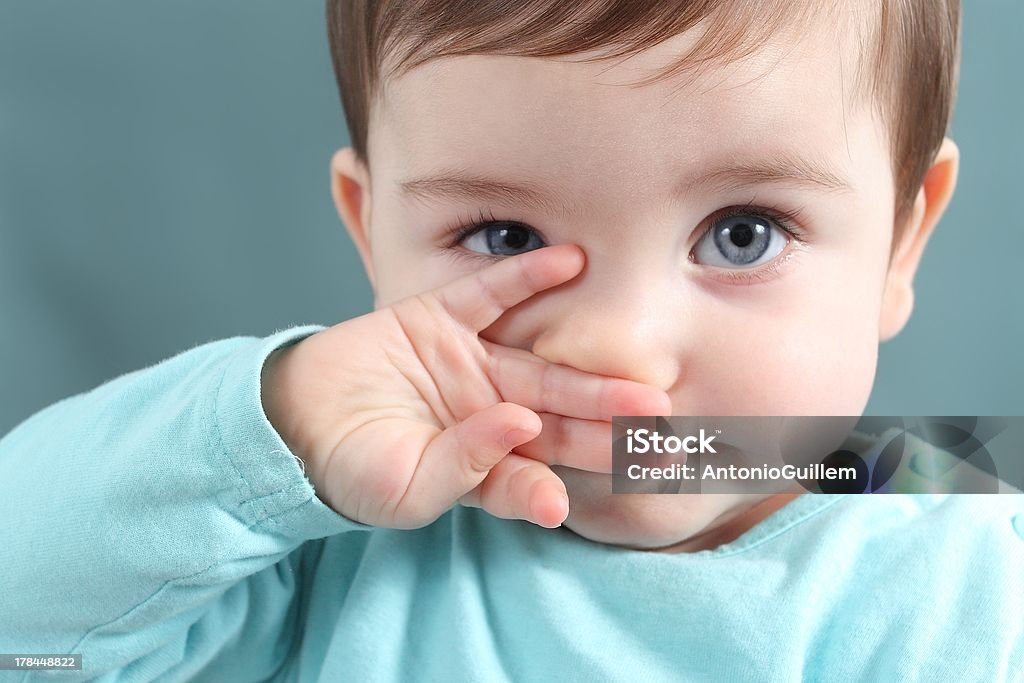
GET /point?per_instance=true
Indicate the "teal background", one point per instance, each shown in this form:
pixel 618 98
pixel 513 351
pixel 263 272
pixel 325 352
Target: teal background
pixel 163 183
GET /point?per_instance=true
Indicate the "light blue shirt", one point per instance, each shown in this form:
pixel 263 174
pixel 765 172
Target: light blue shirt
pixel 159 526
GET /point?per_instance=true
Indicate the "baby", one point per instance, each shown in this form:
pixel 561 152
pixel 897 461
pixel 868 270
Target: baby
pixel 567 211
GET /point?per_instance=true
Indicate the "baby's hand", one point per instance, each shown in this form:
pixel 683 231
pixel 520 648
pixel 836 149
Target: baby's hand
pixel 401 413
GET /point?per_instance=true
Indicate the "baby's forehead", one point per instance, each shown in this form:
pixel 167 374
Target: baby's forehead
pixel 804 80
pixel 712 55
pixel 798 85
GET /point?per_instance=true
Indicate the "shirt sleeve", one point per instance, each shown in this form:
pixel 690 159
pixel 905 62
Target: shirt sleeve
pixel 151 522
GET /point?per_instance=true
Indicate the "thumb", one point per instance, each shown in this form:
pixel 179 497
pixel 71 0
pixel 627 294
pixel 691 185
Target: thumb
pixel 460 457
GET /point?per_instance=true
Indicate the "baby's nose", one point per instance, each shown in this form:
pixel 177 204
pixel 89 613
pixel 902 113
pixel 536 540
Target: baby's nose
pixel 628 333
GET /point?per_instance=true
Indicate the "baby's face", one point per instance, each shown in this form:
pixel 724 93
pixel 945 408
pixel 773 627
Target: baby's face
pixel 772 311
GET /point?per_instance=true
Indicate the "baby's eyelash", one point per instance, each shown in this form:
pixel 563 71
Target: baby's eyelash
pixel 790 221
pixel 462 227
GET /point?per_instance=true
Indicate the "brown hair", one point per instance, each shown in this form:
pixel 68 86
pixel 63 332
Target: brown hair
pixel 910 71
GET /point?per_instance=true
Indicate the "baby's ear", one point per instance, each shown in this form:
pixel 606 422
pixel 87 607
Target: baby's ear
pixel 350 187
pixel 932 200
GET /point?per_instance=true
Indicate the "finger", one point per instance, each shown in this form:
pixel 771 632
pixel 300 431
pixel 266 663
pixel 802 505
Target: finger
pixel 478 299
pixel 580 444
pixel 459 458
pixel 529 380
pixel 472 498
pixel 522 488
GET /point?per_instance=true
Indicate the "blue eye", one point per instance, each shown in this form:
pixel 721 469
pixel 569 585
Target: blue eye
pixel 742 240
pixel 502 238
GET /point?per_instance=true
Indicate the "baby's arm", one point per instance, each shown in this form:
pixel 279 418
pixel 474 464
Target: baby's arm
pixel 150 524
pixel 150 521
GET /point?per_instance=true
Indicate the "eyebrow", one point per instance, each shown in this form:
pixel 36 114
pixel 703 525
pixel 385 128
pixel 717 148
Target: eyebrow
pixel 458 185
pixel 784 170
pixel 794 171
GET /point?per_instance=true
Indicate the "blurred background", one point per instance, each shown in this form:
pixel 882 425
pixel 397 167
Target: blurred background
pixel 164 183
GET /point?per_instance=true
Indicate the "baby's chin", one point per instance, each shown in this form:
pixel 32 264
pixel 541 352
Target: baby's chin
pixel 649 521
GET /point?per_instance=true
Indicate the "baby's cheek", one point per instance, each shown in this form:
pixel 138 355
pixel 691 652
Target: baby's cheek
pixel 808 361
pixel 825 375
pixel 824 366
